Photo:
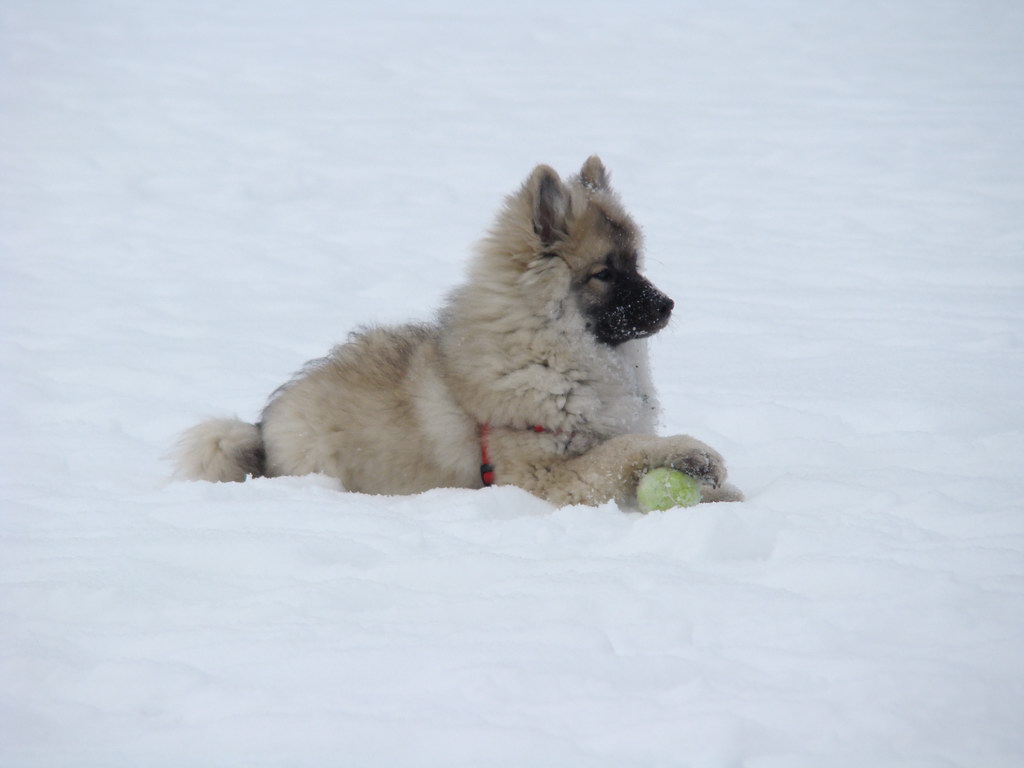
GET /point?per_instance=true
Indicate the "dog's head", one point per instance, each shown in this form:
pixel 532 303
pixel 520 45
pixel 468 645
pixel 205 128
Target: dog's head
pixel 578 226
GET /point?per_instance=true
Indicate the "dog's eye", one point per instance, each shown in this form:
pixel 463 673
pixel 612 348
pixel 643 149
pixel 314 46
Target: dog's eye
pixel 604 274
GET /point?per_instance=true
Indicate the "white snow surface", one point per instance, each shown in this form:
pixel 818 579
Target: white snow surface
pixel 196 198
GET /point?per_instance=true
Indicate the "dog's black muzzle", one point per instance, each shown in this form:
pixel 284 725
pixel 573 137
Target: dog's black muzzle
pixel 635 309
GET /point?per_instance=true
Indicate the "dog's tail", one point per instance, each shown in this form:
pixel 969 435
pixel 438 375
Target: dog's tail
pixel 221 450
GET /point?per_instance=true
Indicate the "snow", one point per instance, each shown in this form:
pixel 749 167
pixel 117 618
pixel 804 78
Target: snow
pixel 197 198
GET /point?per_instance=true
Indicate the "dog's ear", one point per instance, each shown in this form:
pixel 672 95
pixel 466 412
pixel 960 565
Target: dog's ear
pixel 550 204
pixel 593 173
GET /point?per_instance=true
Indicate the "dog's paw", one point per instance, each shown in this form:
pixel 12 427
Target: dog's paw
pixel 725 492
pixel 700 461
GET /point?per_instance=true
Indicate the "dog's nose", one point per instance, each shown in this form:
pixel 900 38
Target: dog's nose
pixel 666 306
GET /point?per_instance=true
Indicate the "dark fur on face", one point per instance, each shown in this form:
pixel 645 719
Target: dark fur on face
pixel 621 304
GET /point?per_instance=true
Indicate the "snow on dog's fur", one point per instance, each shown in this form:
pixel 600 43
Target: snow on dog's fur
pixel 539 361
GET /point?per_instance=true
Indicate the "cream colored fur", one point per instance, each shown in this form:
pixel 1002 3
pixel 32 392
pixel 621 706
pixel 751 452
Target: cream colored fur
pixel 211 450
pixel 398 410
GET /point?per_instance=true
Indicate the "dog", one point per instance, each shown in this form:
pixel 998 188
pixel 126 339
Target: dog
pixel 534 374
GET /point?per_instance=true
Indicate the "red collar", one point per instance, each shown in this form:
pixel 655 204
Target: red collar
pixel 486 468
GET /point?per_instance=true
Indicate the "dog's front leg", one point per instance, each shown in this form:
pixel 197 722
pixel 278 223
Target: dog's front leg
pixel 610 470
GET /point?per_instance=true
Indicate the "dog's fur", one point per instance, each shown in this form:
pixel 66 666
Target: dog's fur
pixel 548 330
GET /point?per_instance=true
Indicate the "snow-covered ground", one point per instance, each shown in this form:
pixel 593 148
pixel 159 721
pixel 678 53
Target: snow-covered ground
pixel 195 198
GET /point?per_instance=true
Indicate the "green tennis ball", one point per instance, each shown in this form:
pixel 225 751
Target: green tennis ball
pixel 663 488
